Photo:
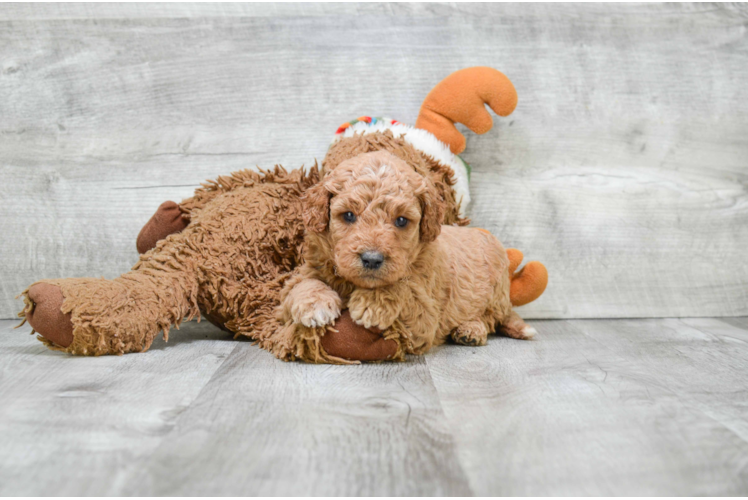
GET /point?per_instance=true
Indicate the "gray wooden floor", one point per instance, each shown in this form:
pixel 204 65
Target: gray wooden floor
pixel 649 406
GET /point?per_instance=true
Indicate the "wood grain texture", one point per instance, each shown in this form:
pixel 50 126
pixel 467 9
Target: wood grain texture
pixel 602 407
pixel 591 407
pixel 264 427
pixel 623 168
pixel 76 426
pixel 64 11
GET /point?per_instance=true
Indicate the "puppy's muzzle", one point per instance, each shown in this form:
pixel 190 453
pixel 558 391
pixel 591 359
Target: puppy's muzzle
pixel 372 260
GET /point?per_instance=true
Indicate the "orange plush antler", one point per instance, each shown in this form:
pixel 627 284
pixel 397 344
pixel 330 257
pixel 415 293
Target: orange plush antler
pixel 529 283
pixel 461 98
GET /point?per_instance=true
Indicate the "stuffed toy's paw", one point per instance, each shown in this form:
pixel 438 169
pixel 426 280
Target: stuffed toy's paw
pixel 168 219
pixel 44 314
pixel 354 342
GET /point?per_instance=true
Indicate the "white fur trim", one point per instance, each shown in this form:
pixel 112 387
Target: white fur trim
pixel 427 143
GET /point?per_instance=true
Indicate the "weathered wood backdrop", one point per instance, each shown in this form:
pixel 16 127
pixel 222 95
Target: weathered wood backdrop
pixel 624 168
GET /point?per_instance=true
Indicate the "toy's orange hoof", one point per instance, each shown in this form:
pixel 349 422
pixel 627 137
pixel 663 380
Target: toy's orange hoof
pixel 47 317
pixel 528 284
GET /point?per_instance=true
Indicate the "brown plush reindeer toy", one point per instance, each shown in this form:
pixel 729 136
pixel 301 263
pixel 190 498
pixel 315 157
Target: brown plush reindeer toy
pixel 227 252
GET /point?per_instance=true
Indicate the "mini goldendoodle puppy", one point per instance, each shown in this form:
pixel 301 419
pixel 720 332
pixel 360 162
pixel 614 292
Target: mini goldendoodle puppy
pixel 375 245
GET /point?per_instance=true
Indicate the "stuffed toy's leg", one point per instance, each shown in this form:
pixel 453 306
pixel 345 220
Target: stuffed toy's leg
pixel 90 316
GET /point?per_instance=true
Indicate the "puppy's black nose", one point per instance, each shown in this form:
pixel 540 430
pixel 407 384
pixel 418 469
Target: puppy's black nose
pixel 372 260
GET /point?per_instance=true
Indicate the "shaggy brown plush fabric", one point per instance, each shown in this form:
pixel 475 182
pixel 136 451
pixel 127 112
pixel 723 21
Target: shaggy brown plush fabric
pixel 244 239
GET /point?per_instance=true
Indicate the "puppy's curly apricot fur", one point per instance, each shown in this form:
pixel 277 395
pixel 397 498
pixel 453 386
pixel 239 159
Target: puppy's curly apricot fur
pixel 375 244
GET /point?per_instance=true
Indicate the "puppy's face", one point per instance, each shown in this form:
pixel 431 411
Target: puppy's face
pixel 376 213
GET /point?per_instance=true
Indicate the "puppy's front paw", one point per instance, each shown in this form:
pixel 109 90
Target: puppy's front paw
pixel 373 308
pixel 319 311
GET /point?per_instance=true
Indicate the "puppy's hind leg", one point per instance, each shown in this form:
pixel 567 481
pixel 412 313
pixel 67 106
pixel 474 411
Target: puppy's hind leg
pixel 515 327
pixel 473 333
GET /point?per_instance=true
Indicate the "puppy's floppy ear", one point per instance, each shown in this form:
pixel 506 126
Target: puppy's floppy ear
pixel 316 202
pixel 432 212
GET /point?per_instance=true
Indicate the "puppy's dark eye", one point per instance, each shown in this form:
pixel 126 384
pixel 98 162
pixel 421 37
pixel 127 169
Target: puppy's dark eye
pixel 349 217
pixel 401 222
